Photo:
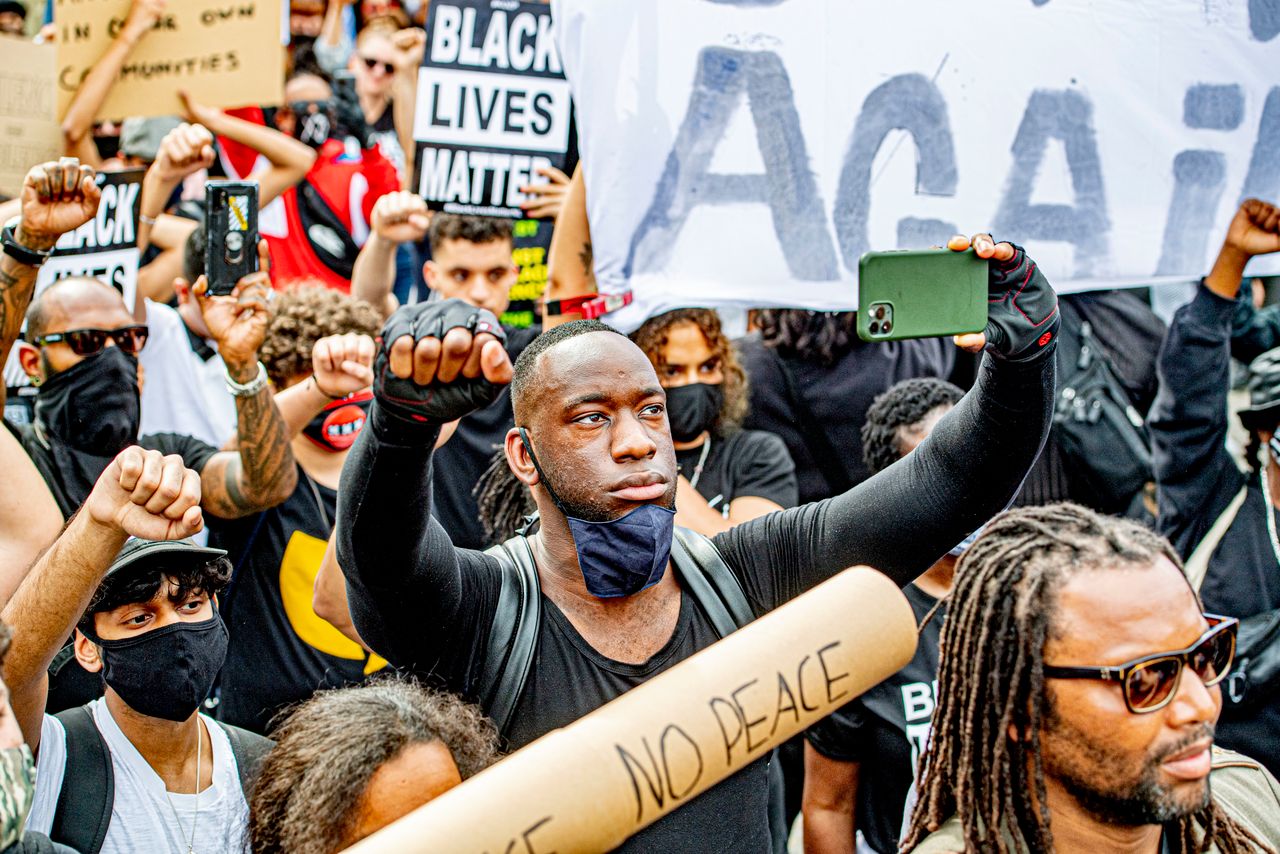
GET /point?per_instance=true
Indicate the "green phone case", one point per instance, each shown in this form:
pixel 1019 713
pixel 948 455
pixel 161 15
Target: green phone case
pixel 920 293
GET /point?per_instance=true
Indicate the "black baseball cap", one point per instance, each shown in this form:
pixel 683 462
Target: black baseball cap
pixel 13 6
pixel 139 554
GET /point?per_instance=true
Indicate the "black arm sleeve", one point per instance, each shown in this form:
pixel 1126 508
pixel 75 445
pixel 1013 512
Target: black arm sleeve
pixel 912 513
pixel 1196 477
pixel 418 601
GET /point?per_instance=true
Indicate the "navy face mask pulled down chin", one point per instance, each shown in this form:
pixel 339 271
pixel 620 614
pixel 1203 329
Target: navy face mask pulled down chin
pixel 166 673
pixel 622 556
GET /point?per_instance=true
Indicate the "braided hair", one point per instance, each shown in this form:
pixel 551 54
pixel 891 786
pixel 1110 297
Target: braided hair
pixel 991 678
pixel 503 501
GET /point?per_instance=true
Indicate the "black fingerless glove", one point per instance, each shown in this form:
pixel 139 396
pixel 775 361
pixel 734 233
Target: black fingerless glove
pixel 437 403
pixel 1022 310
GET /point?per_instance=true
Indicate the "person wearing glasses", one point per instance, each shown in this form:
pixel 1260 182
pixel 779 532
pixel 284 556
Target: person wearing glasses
pixel 1078 690
pixel 81 350
pixel 1221 519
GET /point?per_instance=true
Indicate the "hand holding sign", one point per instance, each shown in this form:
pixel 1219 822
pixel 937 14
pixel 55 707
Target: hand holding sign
pixel 1022 309
pixel 57 197
pixel 143 16
pixel 546 200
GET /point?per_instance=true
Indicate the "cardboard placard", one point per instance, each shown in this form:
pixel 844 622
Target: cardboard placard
pixel 591 785
pixel 226 53
pixel 29 133
pixel 493 106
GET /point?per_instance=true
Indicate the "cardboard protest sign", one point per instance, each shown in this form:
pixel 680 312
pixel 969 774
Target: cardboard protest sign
pixel 587 787
pixel 493 106
pixel 29 133
pixel 104 248
pixel 748 153
pixel 226 53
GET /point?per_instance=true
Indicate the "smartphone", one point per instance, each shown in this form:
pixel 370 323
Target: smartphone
pixel 920 293
pixel 231 224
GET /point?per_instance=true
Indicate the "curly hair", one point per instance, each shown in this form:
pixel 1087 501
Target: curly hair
pixel 904 405
pixel 327 749
pixel 991 681
pixel 142 582
pixel 815 336
pixel 652 337
pixel 304 315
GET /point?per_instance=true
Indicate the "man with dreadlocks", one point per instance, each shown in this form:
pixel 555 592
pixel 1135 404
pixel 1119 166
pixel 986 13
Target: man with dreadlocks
pixel 616 590
pixel 1077 698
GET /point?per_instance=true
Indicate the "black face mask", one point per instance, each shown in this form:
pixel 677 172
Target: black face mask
pixel 93 407
pixel 312 122
pixel 166 673
pixel 693 409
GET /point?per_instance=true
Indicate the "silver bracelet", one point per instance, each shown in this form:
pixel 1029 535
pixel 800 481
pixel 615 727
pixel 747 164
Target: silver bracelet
pixel 146 220
pixel 250 388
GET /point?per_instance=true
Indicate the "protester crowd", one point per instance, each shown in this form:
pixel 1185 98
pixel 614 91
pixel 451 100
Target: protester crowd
pixel 279 566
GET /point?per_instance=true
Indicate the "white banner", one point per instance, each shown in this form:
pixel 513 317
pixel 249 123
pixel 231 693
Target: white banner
pixel 747 152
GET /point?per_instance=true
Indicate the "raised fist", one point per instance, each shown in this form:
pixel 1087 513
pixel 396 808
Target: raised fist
pixel 147 494
pixel 184 150
pixel 1022 309
pixel 57 197
pixel 1255 230
pixel 400 217
pixel 343 364
pixel 439 361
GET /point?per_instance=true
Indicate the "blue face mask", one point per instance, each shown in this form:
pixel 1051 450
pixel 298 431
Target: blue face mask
pixel 622 556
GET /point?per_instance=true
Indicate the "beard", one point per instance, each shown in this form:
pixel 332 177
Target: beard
pixel 585 504
pixel 1103 782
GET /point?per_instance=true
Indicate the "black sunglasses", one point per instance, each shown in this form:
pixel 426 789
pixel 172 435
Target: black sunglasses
pixel 371 63
pixel 1150 682
pixel 86 342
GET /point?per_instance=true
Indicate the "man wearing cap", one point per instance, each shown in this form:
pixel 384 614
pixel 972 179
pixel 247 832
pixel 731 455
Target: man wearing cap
pixel 1221 519
pixel 13 18
pixel 139 769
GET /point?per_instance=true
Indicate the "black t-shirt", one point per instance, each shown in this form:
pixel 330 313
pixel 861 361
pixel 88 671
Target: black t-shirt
pixel 748 462
pixel 459 464
pixel 69 496
pixel 429 607
pixel 281 652
pixel 885 731
pixel 838 396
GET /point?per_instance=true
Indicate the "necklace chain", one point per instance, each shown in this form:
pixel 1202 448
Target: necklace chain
pixel 1271 515
pixel 702 459
pixel 191 841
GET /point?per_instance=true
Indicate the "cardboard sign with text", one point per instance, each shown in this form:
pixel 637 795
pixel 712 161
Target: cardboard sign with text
pixel 493 106
pixel 226 53
pixel 29 133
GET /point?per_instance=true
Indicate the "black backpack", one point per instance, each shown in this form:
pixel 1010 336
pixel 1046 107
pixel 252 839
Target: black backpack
pixel 83 814
pixel 514 632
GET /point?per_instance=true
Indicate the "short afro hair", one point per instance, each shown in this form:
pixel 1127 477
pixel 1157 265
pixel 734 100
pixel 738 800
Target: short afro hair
pixel 903 405
pixel 304 315
pixel 473 229
pixel 527 363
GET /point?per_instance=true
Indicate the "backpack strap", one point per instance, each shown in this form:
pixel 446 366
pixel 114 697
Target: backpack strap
pixel 249 749
pixel 709 580
pixel 513 633
pixel 88 791
pixel 1197 565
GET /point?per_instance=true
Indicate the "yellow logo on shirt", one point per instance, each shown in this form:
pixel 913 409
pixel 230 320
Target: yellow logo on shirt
pixel 298 570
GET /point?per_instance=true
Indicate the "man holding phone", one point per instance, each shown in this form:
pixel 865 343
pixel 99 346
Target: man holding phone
pixel 593 443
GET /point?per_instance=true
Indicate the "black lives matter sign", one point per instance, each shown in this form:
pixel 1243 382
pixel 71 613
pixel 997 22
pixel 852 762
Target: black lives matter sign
pixel 493 106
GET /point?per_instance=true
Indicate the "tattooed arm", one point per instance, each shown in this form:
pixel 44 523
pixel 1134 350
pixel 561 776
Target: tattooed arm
pixel 570 272
pixel 261 472
pixel 56 198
